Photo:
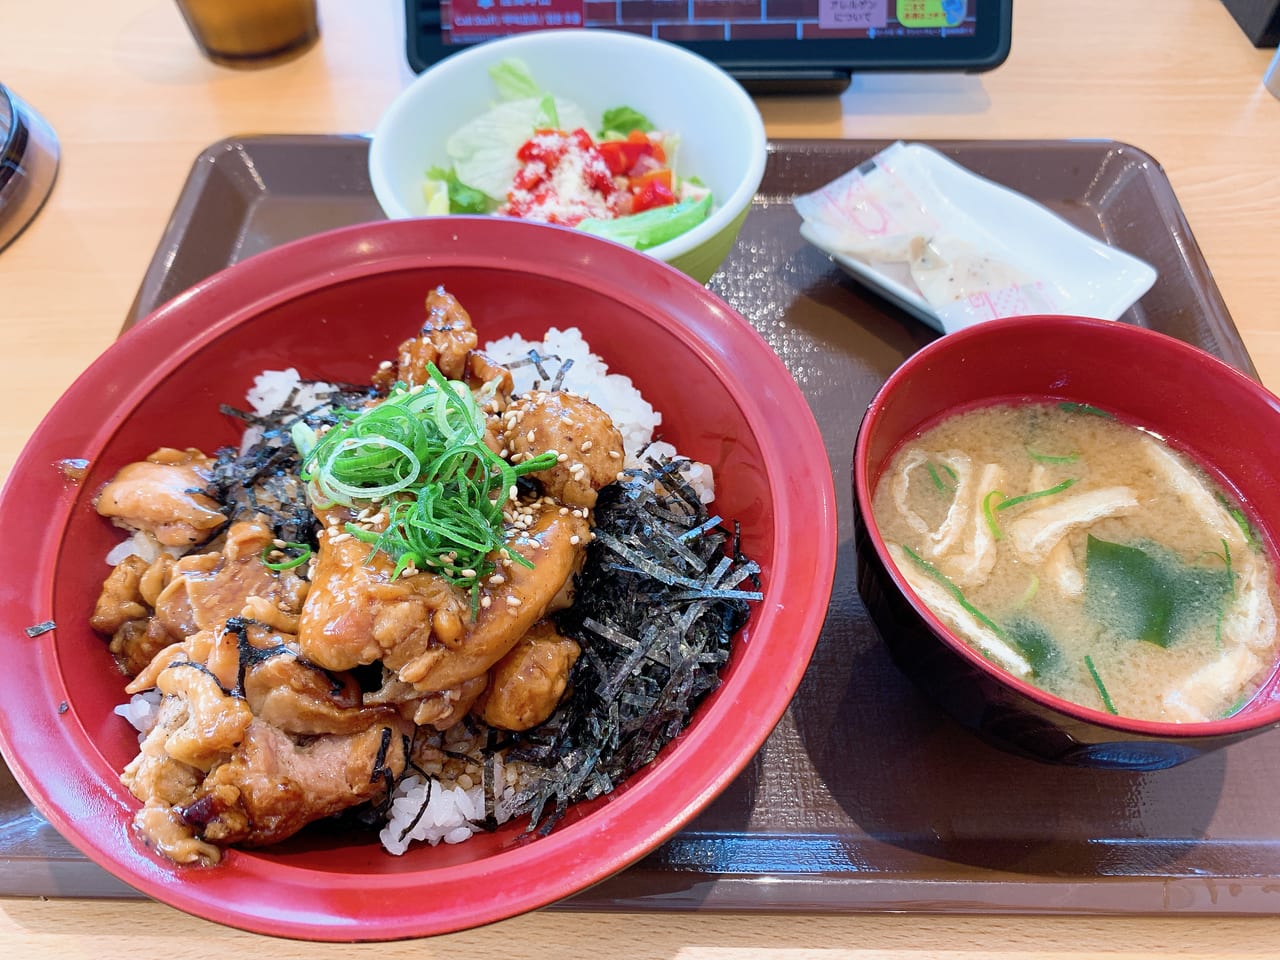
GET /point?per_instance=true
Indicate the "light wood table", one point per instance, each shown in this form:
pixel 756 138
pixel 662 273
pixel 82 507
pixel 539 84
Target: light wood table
pixel 133 103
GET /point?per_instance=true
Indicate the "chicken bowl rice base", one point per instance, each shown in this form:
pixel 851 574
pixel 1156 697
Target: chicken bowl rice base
pixel 460 593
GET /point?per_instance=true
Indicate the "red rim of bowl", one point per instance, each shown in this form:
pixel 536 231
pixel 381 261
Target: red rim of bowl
pixel 863 488
pixel 86 803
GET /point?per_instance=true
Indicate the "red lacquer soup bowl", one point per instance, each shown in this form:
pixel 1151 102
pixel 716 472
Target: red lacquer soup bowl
pixel 1222 419
pixel 333 306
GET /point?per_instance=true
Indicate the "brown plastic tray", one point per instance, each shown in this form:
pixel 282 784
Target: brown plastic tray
pixel 865 797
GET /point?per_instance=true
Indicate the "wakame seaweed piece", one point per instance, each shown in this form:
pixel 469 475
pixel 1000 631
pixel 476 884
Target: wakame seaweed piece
pixel 1148 593
pixel 1034 643
pixel 654 635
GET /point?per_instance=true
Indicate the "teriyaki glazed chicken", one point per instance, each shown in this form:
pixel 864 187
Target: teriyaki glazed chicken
pixel 318 619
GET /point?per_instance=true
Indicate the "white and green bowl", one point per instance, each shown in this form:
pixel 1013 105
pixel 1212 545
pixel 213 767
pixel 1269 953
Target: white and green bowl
pixel 722 138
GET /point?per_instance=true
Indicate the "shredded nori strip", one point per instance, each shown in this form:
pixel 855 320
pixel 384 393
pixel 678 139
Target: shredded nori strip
pixel 265 478
pixel 656 607
pixel 36 629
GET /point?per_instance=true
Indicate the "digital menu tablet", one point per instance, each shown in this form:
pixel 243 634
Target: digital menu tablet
pixel 767 44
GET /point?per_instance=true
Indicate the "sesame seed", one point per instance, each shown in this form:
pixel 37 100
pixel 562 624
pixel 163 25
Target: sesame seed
pixel 586 445
pixel 385 365
pixel 531 436
pixel 614 454
pixel 486 602
pixel 575 539
pixel 513 601
pixel 468 572
pixel 279 543
pixel 561 458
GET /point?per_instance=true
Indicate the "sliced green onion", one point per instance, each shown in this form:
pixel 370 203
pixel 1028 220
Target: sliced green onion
pixel 1231 574
pixel 1028 594
pixel 936 477
pixel 1049 458
pixel 1236 707
pixel 1014 501
pixel 421 453
pixel 990 517
pixel 952 589
pixel 303 555
pixel 303 436
pixel 1242 521
pixel 1102 690
pixel 1085 408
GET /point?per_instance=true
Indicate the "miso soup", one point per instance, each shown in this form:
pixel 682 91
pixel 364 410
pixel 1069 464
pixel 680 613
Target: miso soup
pixel 1085 556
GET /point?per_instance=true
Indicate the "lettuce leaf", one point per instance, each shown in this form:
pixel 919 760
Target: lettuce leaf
pixel 483 151
pixel 648 229
pixel 620 121
pixel 513 80
pixel 459 197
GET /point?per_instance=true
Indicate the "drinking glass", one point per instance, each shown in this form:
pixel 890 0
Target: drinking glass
pixel 251 33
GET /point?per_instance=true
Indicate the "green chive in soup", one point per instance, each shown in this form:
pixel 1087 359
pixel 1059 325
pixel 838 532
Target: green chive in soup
pixel 1085 556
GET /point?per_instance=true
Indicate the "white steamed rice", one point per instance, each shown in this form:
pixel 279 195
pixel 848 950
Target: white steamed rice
pixel 447 818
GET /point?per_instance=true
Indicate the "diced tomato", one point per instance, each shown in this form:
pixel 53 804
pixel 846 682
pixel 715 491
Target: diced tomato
pixel 652 192
pixel 661 174
pixel 545 146
pixel 655 148
pixel 621 156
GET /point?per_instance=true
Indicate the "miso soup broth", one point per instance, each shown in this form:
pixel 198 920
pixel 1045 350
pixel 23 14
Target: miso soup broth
pixel 1085 556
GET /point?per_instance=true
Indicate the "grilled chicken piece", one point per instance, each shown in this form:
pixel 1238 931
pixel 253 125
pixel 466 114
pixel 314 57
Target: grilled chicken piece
pixel 449 341
pixel 556 545
pixel 420 626
pixel 153 775
pixel 356 613
pixel 123 610
pixel 446 339
pixel 251 743
pixel 438 708
pixel 137 643
pixel 574 427
pixel 121 598
pixel 274 785
pixel 301 699
pixel 163 495
pixel 208 589
pixel 215 722
pixel 526 685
